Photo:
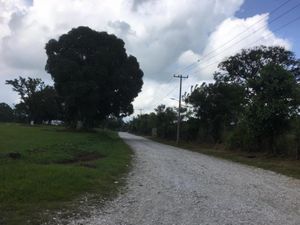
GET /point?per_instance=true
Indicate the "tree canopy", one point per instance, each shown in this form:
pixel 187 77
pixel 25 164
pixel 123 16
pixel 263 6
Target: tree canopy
pixel 93 74
pixel 244 67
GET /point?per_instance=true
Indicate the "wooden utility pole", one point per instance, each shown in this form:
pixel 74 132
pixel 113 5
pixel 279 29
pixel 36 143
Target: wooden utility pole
pixel 141 111
pixel 179 106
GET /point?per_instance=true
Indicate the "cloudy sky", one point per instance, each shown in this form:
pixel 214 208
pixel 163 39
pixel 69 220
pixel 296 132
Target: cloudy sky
pixel 188 37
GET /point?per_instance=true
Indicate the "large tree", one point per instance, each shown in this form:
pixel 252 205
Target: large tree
pixel 93 74
pixel 268 76
pixel 274 102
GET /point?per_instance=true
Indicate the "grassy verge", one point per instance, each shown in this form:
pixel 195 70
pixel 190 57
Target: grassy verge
pixel 282 165
pixel 55 167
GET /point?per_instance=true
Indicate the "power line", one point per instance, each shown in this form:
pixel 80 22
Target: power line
pixel 257 22
pixel 275 19
pixel 279 28
pixel 188 66
pixel 247 29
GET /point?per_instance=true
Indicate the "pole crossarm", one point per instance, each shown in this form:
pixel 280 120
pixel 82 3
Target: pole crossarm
pixel 180 76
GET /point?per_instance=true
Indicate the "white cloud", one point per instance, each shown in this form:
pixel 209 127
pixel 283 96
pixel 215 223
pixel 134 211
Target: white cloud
pixel 164 35
pixel 188 57
pixel 232 35
pixel 154 94
pixel 7 10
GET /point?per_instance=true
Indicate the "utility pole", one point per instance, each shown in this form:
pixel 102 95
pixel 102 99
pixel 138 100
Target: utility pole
pixel 179 107
pixel 141 111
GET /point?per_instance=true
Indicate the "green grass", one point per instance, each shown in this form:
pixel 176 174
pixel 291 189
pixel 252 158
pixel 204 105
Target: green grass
pixel 283 165
pixel 56 167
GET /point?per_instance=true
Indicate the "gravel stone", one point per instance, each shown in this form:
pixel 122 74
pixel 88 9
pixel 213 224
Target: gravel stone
pixel 172 186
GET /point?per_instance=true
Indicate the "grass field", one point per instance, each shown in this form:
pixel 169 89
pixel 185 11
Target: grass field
pixel 55 167
pixel 282 165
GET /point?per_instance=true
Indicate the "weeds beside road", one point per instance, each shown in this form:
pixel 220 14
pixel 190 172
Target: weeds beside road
pixel 282 165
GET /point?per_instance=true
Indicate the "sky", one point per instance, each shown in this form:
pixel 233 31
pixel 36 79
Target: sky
pixel 188 37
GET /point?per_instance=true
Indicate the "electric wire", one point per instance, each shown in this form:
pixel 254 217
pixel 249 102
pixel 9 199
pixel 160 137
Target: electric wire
pixel 252 43
pixel 204 58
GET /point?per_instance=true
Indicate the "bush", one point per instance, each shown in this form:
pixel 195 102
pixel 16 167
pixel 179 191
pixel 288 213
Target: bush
pixel 286 145
pixel 296 132
pixel 190 129
pixel 242 139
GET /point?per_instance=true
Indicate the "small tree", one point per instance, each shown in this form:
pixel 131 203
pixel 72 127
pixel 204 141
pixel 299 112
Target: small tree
pixel 6 113
pixel 39 102
pixel 166 118
pixel 27 88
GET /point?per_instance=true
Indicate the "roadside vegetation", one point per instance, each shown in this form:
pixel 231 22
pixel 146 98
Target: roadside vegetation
pixel 281 164
pixel 46 167
pixel 251 108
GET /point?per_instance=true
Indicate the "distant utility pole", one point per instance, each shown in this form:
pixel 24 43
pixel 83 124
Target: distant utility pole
pixel 179 107
pixel 141 111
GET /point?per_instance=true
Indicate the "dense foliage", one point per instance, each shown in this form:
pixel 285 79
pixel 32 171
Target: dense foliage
pixel 164 120
pixel 274 101
pixel 217 106
pixel 93 74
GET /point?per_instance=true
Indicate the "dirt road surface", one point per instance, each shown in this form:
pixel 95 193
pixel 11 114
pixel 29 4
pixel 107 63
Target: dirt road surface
pixel 172 186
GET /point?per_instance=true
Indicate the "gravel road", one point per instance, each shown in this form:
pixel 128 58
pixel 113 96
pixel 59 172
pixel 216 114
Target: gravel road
pixel 169 186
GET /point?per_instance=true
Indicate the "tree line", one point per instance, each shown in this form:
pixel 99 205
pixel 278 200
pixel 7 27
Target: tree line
pixel 252 105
